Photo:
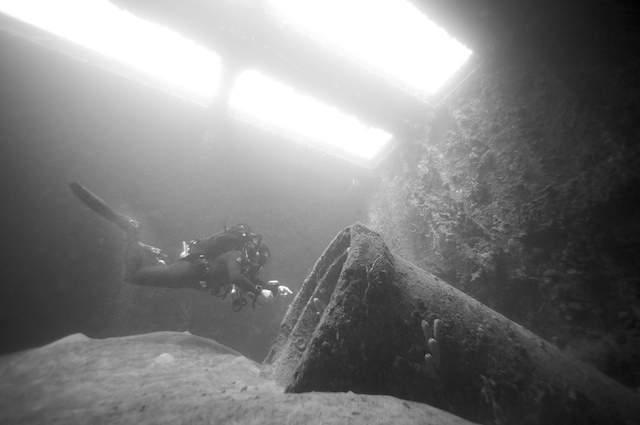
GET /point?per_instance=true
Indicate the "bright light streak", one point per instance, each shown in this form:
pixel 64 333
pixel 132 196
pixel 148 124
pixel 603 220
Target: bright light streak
pixel 164 55
pixel 388 36
pixel 279 106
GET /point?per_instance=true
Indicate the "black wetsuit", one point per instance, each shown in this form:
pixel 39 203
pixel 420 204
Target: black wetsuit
pixel 204 267
pixel 223 260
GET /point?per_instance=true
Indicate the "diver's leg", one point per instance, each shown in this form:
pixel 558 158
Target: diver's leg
pixel 144 265
pixel 181 274
pixel 138 255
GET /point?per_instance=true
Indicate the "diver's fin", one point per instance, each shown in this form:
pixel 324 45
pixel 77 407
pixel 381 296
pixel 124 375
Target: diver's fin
pixel 91 200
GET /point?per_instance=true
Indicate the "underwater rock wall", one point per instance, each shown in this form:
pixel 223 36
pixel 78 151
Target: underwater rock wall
pixel 370 322
pixel 521 190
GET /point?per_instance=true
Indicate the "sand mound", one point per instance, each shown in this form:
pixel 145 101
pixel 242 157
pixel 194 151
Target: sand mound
pixel 170 377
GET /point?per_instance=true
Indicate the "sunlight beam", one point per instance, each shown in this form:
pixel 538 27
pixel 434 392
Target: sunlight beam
pixel 276 105
pixel 165 56
pixel 390 37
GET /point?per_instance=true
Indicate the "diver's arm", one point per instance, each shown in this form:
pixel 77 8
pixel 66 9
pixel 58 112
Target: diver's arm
pixel 277 289
pixel 244 283
pixel 226 271
pixel 235 276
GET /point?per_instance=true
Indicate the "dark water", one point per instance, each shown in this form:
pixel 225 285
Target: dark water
pixel 166 163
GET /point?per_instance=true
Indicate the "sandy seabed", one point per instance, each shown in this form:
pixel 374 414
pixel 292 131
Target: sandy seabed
pixel 170 378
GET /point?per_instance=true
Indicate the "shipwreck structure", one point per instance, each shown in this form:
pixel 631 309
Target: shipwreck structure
pixel 367 321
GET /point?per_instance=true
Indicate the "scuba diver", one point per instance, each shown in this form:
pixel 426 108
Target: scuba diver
pixel 226 263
